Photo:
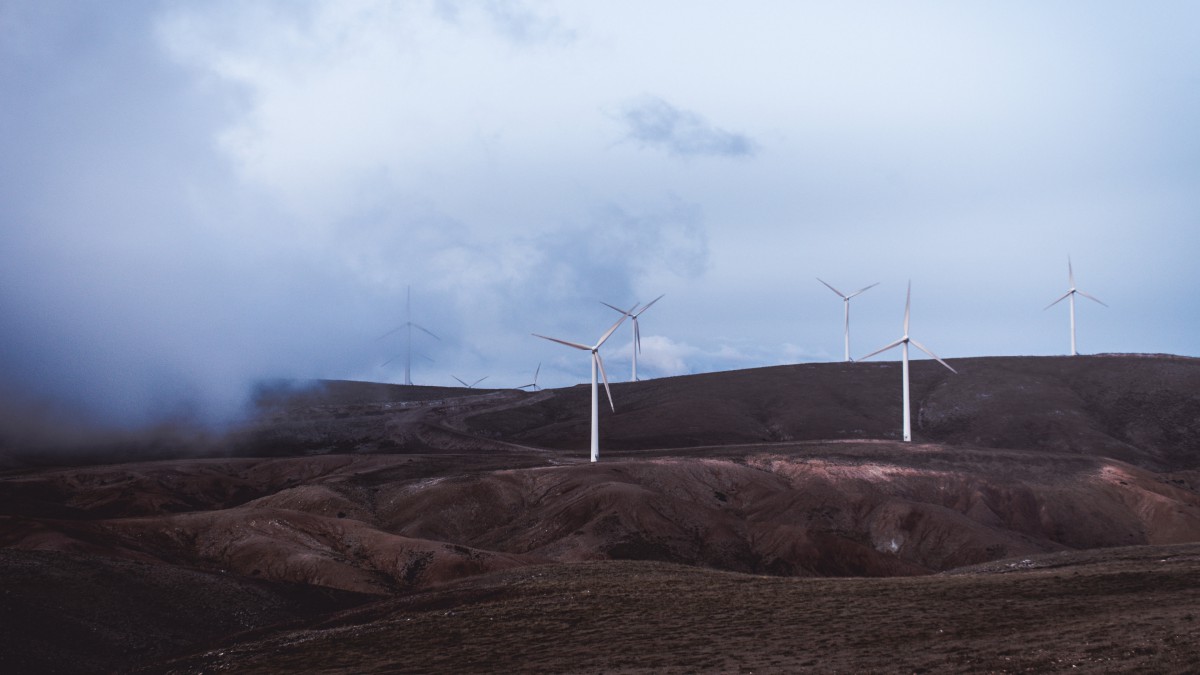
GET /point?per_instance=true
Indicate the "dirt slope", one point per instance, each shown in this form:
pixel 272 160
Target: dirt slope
pixel 1118 611
pixel 68 613
pixel 340 491
pixel 382 524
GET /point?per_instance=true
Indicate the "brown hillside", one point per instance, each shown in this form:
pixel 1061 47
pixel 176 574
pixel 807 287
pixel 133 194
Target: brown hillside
pixel 1144 410
pixel 466 500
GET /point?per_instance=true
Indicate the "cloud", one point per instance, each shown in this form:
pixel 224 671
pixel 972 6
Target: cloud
pixel 514 19
pixel 653 122
pixel 196 195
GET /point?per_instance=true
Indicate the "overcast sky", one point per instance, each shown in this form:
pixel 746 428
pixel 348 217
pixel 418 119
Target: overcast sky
pixel 198 195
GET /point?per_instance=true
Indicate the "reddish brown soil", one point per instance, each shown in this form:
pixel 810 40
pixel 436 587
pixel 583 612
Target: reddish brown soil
pixel 737 491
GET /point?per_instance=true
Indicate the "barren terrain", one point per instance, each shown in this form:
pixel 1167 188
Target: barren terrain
pixel 1047 517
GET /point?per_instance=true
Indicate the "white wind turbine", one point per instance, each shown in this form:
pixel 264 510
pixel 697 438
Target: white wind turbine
pixel 903 341
pixel 597 362
pixel 637 331
pixel 472 385
pixel 407 326
pixel 846 301
pixel 398 356
pixel 1071 294
pixel 533 384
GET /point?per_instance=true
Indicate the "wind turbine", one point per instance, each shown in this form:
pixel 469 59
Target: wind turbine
pixel 535 376
pixel 597 362
pixel 903 341
pixel 472 385
pixel 407 326
pixel 637 330
pixel 1071 294
pixel 398 356
pixel 846 301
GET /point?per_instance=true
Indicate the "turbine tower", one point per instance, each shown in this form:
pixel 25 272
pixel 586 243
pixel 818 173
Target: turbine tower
pixel 597 362
pixel 846 301
pixel 637 331
pixel 407 326
pixel 903 342
pixel 1070 294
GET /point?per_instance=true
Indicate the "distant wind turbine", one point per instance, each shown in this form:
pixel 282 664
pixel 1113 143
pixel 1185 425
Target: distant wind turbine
pixel 407 326
pixel 398 356
pixel 472 385
pixel 903 341
pixel 533 384
pixel 637 331
pixel 597 362
pixel 846 301
pixel 1071 294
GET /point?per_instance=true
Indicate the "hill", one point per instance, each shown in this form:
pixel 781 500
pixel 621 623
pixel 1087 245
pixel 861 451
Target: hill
pixel 1144 410
pixel 342 494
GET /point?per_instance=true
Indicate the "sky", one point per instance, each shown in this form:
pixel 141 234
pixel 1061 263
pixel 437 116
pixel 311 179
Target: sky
pixel 197 196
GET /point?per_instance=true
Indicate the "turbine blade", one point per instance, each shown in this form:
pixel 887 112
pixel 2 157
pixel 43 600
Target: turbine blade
pixel 480 380
pixel 394 330
pixel 624 315
pixel 637 335
pixel 461 382
pixel 576 345
pixel 907 304
pixel 1070 272
pixel 389 361
pixel 535 373
pixel 1091 297
pixel 918 345
pixel 614 308
pixel 426 331
pixel 1064 297
pixel 840 294
pixel 880 351
pixel 647 305
pixel 604 376
pixel 861 290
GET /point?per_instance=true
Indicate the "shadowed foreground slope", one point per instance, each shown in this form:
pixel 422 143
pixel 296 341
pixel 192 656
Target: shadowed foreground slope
pixel 1114 611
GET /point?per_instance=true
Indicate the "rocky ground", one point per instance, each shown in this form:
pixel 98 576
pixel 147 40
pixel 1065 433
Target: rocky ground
pixel 767 519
